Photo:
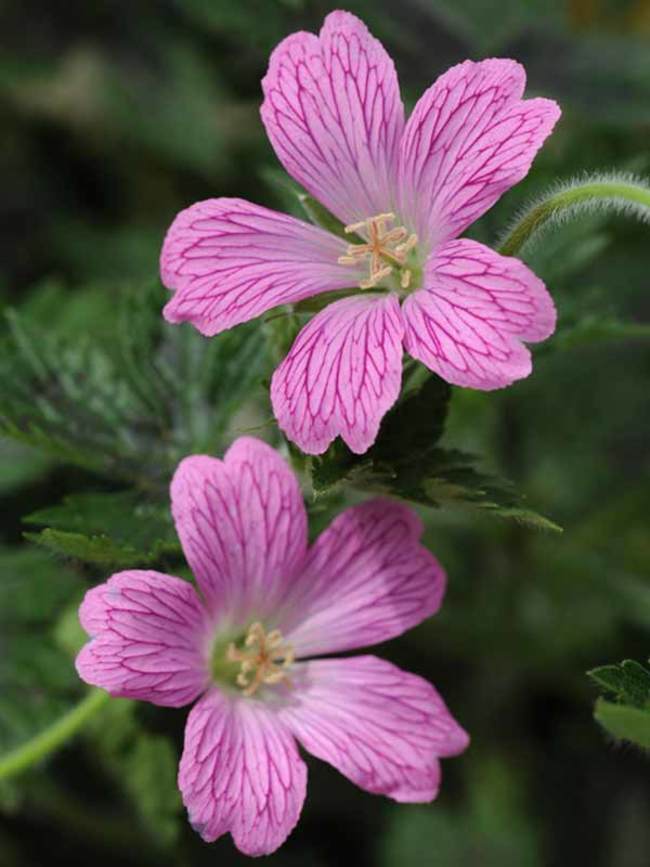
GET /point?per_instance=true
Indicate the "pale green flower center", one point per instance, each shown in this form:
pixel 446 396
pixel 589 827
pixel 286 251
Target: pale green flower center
pixel 390 253
pixel 257 658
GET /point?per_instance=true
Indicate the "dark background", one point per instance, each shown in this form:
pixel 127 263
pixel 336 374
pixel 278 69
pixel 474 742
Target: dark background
pixel 117 114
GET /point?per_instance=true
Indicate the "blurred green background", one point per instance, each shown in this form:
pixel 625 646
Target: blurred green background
pixel 114 116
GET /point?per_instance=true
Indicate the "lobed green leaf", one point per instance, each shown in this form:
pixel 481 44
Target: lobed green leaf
pixel 628 681
pixel 407 462
pixel 109 529
pixel 131 406
pixel 624 722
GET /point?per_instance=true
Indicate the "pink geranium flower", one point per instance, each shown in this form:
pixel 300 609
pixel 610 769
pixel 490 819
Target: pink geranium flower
pixel 245 646
pixel 406 191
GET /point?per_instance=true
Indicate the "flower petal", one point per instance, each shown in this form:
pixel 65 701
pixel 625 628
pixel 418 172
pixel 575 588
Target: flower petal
pixel 242 524
pixel 470 138
pixel 381 727
pixel 341 375
pixel 241 772
pixel 365 580
pixel 230 261
pixel 468 325
pixel 333 112
pixel 149 636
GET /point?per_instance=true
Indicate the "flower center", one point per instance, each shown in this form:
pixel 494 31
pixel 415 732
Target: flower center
pixel 263 658
pixel 386 250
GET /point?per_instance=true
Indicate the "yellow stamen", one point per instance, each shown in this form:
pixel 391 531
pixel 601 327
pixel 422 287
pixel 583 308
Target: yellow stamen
pixel 264 658
pixel 384 249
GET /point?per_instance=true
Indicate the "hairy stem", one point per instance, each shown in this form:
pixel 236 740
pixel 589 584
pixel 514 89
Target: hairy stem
pixel 20 759
pixel 592 194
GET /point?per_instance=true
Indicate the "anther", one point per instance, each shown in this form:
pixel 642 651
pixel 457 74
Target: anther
pixel 384 249
pixel 263 659
pixel 375 278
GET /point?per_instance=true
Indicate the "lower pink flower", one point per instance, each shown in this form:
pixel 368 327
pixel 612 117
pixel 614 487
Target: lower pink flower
pixel 245 647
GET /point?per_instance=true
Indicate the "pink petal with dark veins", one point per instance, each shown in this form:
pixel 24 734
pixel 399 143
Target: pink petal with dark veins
pixel 241 772
pixel 381 727
pixel 150 638
pixel 341 375
pixel 229 261
pixel 468 324
pixel 469 139
pixel 333 112
pixel 366 579
pixel 243 526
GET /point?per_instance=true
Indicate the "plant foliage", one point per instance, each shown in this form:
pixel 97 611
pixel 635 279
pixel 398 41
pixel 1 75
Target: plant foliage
pixel 627 717
pixel 407 461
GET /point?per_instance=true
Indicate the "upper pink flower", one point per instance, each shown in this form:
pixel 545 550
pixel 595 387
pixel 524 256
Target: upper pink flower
pixel 405 190
pixel 268 605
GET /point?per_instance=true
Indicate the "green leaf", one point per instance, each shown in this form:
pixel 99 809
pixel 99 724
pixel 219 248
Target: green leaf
pixel 336 465
pixel 406 462
pixel 90 549
pixel 116 529
pixel 128 406
pixel 628 681
pixel 451 478
pixel 416 424
pixel 628 717
pixel 413 426
pixel 624 722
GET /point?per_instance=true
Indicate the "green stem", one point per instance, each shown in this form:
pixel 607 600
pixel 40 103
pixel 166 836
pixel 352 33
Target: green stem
pixel 619 193
pixel 40 746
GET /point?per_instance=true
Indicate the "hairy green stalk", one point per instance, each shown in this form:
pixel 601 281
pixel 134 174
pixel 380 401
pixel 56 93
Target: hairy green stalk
pixel 619 193
pixel 55 736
